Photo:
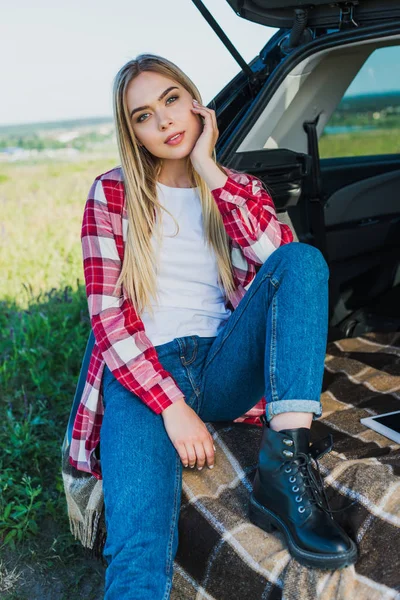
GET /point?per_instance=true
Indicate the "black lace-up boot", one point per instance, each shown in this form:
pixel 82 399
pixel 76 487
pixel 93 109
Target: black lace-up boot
pixel 288 494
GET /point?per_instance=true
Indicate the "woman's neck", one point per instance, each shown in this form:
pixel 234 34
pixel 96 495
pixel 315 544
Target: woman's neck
pixel 174 173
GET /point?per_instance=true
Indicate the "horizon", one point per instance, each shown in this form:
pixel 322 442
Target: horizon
pixel 109 118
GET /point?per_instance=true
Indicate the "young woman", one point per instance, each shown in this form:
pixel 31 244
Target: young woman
pixel 200 305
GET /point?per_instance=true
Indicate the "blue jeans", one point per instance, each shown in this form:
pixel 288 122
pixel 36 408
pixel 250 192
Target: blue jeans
pixel 272 345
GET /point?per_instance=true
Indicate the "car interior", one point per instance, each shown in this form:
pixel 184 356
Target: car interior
pixel 359 194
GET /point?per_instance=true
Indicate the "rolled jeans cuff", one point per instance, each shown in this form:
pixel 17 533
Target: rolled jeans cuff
pixel 282 406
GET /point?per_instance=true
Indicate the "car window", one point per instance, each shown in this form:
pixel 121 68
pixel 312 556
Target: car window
pixel 367 121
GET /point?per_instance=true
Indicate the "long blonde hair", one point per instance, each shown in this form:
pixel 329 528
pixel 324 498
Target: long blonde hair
pixel 140 171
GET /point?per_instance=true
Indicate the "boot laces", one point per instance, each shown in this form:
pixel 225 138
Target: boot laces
pixel 312 481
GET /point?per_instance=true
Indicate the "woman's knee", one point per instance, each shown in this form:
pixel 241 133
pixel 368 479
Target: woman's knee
pixel 305 258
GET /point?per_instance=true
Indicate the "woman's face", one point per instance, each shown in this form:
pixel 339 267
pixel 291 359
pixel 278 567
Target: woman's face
pixel 162 117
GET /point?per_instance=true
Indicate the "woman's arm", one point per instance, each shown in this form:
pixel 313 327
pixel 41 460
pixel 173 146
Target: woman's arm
pixel 118 330
pixel 248 212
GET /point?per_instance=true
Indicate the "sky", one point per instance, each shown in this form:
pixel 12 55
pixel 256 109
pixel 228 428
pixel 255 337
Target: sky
pixel 380 73
pixel 59 59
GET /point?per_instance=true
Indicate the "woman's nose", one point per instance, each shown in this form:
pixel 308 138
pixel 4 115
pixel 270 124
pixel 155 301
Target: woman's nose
pixel 164 120
pixel 164 124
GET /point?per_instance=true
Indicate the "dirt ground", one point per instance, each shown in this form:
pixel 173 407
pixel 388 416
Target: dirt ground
pixel 40 570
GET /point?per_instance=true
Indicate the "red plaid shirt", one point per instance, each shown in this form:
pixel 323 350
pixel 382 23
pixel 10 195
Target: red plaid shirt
pixel 250 220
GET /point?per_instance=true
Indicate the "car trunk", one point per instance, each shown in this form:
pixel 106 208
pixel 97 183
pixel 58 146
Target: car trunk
pixel 362 248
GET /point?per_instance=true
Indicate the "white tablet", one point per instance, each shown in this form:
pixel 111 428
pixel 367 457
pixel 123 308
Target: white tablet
pixel 387 424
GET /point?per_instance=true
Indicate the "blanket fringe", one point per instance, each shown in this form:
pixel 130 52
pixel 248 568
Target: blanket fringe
pixel 92 534
pixel 85 531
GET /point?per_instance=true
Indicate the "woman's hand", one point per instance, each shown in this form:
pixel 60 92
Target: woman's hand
pixel 189 435
pixel 203 149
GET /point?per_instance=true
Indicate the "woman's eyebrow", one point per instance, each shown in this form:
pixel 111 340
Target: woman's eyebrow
pixel 165 92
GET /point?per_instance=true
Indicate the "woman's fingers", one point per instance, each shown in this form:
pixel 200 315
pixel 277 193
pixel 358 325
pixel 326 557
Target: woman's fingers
pixel 200 454
pixel 181 449
pixel 191 454
pixel 209 449
pixel 208 112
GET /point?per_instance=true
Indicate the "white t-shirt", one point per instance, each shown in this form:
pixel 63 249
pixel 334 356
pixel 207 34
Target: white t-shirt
pixel 190 300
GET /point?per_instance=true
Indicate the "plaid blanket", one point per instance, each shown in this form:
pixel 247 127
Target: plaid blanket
pixel 221 555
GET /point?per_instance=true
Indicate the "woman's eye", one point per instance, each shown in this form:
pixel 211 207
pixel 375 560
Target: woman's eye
pixel 140 120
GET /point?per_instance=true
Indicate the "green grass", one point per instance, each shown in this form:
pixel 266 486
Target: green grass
pixel 360 143
pixel 42 207
pixel 44 327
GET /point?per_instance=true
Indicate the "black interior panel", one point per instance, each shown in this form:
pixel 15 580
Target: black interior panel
pixel 353 241
pixel 364 254
pixel 282 171
pixel 339 172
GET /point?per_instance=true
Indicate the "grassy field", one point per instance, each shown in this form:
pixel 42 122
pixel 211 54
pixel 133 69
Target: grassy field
pixel 44 328
pixel 361 143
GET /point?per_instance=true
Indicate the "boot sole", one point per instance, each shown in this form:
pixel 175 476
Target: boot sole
pixel 268 521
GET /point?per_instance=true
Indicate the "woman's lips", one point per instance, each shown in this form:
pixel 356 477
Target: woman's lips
pixel 176 140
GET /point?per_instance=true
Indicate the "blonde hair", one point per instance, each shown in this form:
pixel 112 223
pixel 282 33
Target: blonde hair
pixel 140 171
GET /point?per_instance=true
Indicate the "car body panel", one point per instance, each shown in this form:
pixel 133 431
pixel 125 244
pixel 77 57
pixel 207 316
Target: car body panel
pixel 320 13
